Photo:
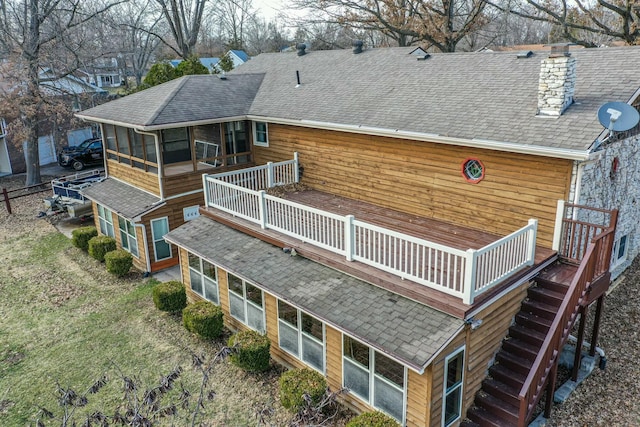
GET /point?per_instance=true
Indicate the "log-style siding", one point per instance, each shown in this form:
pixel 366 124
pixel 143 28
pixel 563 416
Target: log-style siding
pixel 147 181
pixel 437 369
pixel 425 178
pixel 179 184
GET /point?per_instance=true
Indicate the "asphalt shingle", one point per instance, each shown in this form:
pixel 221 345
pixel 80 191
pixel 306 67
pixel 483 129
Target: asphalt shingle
pixel 123 199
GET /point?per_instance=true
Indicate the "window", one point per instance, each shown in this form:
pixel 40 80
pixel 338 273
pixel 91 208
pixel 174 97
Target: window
pixel 260 134
pixel 301 335
pixel 473 170
pixel 245 303
pixel 105 218
pixel 128 236
pixel 374 377
pixel 130 147
pixel 452 389
pixel 175 145
pixel 235 137
pixel 160 227
pixel 203 277
pixel 620 251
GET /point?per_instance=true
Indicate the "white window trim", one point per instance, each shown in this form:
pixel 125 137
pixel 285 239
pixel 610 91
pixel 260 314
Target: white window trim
pixel 106 210
pixel 246 301
pixel 300 333
pixel 255 134
pixel 129 236
pixel 617 261
pixel 372 376
pixel 461 386
pixel 202 278
pixel 153 238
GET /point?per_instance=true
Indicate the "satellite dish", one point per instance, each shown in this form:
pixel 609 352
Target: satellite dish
pixel 618 116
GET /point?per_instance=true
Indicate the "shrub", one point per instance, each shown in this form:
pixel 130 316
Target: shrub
pixel 203 318
pixel 100 245
pixel 170 296
pixel 295 383
pixel 80 237
pixel 251 351
pixel 372 419
pixel 118 262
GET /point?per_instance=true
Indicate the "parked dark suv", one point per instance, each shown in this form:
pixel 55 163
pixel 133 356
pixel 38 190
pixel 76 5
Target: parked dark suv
pixel 89 152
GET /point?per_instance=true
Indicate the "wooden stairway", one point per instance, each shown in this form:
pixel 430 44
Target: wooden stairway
pixel 497 403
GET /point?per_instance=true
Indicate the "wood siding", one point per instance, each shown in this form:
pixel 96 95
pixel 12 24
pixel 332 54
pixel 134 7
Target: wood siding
pixel 135 177
pixel 437 369
pixel 425 178
pixel 184 183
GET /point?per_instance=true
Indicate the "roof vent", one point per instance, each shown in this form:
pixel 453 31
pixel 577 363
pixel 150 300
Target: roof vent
pixel 301 49
pixel 524 54
pixel 222 76
pixel 419 53
pixel 357 46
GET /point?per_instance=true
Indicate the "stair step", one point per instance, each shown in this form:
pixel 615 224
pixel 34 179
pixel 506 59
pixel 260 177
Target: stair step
pixel 526 334
pixel 534 322
pixel 469 423
pixel 498 407
pixel 539 309
pixel 507 376
pixel 514 362
pixel 484 419
pixel 546 296
pixel 501 391
pixel 552 286
pixel 520 348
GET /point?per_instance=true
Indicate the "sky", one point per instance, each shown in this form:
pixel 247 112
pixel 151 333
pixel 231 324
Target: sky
pixel 269 8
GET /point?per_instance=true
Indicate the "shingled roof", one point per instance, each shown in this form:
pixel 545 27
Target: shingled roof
pixel 186 100
pixel 123 199
pixel 483 96
pixel 409 332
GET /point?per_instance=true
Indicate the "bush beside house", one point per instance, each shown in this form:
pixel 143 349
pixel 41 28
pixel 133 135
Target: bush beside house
pixel 372 419
pixel 170 296
pixel 251 351
pixel 100 245
pixel 295 383
pixel 80 237
pixel 118 262
pixel 203 318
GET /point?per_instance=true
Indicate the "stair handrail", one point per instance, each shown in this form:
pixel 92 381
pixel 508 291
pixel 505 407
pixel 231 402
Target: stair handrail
pixel 593 265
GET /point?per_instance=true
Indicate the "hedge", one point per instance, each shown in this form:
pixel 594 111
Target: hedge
pixel 372 419
pixel 295 383
pixel 170 296
pixel 100 245
pixel 80 237
pixel 251 351
pixel 118 262
pixel 203 318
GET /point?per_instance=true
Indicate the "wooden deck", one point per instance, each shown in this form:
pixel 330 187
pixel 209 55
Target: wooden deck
pixel 427 228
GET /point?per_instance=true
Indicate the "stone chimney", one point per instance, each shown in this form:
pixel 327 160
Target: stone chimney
pixel 557 81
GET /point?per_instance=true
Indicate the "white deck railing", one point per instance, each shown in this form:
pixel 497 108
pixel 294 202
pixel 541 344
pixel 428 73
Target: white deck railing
pixel 464 274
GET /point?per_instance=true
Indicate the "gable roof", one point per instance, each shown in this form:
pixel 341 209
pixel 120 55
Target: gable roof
pixel 409 332
pixel 241 54
pixel 484 99
pixel 194 99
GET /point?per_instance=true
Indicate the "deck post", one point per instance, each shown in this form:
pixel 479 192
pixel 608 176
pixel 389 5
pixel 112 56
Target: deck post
pixel 531 249
pixel 557 231
pixel 349 236
pixel 469 277
pixel 578 355
pixel 596 326
pixel 7 202
pixel 262 208
pixel 551 386
pixel 269 174
pixel 296 167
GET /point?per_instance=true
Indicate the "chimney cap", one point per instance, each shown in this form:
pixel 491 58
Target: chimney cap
pixel 559 50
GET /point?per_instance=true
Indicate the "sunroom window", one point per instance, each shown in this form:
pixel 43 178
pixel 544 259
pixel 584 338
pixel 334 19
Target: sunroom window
pixel 203 277
pixel 246 303
pixel 301 335
pixel 374 377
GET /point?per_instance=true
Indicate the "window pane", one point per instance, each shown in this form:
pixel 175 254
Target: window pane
pixel 123 140
pixel 235 285
pixel 110 231
pixel 130 228
pixel 288 313
pixel 211 291
pixel 150 147
pixel 194 262
pixel 356 351
pixel 136 144
pixel 163 250
pixel 393 371
pixel 255 318
pixel 209 270
pixel 160 228
pixel 133 246
pixel 124 238
pixel 196 281
pixel 357 379
pixel 288 337
pixel 452 406
pixel 313 353
pixel 110 136
pixel 236 307
pixel 312 326
pixel 622 247
pixel 254 295
pixel 454 371
pixel 388 398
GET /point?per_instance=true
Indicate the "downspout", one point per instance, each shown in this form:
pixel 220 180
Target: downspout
pixel 104 149
pixel 146 248
pixel 158 154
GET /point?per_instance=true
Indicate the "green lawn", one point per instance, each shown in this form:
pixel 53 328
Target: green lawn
pixel 64 319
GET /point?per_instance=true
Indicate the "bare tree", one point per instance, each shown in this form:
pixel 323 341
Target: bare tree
pixel 441 24
pixel 30 31
pixel 585 22
pixel 184 18
pixel 234 17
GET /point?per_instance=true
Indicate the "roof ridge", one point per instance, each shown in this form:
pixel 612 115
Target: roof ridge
pixel 170 96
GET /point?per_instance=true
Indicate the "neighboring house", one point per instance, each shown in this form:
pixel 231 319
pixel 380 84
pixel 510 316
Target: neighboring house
pixel 104 73
pixel 238 57
pixel 430 224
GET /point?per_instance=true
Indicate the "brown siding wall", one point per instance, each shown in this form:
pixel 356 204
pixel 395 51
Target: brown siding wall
pixel 184 183
pixel 424 178
pixel 437 369
pixel 138 178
